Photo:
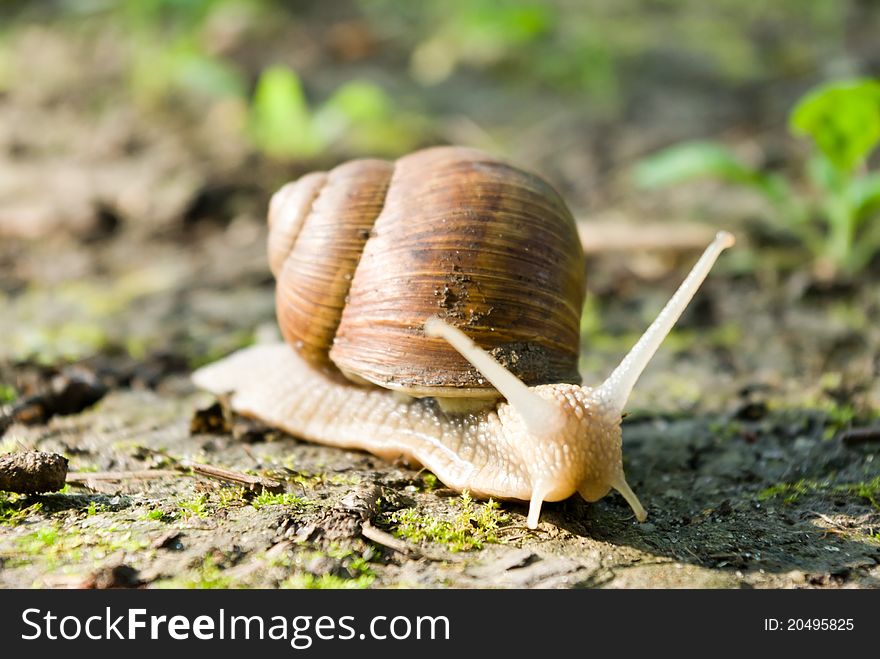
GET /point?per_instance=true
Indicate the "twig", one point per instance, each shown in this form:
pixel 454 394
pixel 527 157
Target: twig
pixel 385 539
pixel 240 478
pixel 607 236
pixel 145 474
pixel 855 436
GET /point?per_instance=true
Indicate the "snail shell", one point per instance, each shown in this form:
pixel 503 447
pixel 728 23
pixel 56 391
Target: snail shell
pixel 364 253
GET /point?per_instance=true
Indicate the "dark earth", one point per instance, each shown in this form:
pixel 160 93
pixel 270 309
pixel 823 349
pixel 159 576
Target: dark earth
pixel 132 251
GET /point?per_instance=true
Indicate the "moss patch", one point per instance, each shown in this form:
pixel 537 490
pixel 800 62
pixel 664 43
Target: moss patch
pixel 15 508
pixel 472 527
pixel 207 576
pixel 195 507
pixel 790 492
pixel 283 499
pixel 430 481
pixel 55 546
pixel 7 394
pixel 354 571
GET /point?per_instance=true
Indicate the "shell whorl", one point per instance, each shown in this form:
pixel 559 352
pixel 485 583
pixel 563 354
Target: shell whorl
pixel 364 253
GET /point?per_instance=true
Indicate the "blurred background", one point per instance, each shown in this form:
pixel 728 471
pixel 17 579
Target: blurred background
pixel 140 142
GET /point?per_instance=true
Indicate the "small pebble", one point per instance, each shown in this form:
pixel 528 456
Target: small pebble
pixel 32 472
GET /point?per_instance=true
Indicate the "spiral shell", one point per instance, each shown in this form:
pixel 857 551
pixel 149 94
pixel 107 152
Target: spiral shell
pixel 364 253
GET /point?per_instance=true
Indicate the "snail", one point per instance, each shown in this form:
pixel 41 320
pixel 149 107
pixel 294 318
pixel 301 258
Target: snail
pixel 430 309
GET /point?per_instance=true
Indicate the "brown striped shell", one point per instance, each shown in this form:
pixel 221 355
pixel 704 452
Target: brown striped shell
pixel 365 253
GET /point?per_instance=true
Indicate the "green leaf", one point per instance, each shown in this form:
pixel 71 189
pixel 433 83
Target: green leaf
pixel 211 76
pixel 360 101
pixel 864 195
pixel 823 174
pixel 842 118
pixel 692 160
pixel 361 116
pixel 280 122
pixel 510 24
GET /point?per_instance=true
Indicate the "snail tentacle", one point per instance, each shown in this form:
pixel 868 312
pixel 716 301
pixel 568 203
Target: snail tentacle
pixel 619 385
pixel 540 415
pixel 619 483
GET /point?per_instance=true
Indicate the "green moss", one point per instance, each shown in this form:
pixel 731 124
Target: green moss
pixel 195 507
pixel 52 546
pixel 472 526
pixel 312 481
pixel 84 318
pixel 15 508
pixel 204 505
pixel 430 481
pixel 839 415
pixel 342 479
pixel 789 492
pixel 207 576
pixel 726 430
pixel 8 444
pixel 309 581
pixel 8 394
pixel 360 573
pixel 228 497
pixel 869 491
pixel 94 509
pixel 38 541
pixel 156 515
pixel 284 499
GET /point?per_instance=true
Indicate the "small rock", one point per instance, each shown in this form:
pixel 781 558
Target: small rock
pixel 362 501
pixel 751 411
pixel 73 390
pixel 117 576
pixel 69 392
pixel 32 472
pixel 169 540
pixel 324 565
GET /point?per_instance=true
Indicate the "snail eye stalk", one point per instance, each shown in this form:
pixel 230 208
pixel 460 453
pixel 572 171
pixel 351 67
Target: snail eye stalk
pixel 540 415
pixel 615 391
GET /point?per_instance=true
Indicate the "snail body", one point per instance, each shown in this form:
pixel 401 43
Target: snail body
pixel 378 265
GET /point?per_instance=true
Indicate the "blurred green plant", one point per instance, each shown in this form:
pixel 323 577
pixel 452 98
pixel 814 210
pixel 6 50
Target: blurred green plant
pixel 602 49
pixel 359 116
pixel 7 393
pixel 170 52
pixel 837 220
pixel 158 71
pixel 530 42
pixel 280 123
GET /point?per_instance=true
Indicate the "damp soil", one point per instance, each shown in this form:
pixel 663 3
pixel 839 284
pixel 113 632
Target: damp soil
pixel 752 440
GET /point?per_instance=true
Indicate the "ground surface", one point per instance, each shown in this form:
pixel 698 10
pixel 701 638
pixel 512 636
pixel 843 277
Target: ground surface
pixel 132 251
